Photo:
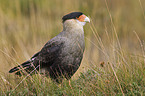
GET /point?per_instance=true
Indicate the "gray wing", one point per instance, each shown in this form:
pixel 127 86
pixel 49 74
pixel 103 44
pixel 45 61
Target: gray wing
pixel 48 54
pixel 44 58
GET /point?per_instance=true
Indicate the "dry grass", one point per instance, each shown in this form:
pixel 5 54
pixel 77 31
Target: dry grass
pixel 113 62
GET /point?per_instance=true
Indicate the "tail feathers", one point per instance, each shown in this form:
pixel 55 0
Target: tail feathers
pixel 26 67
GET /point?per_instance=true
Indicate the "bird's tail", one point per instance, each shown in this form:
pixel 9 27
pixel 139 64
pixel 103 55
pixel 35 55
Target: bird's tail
pixel 25 68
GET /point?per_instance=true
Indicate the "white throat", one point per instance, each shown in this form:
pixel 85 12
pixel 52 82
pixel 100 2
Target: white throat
pixel 73 24
pixel 81 23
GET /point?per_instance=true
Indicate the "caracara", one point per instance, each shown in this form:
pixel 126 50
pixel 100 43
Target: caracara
pixel 62 55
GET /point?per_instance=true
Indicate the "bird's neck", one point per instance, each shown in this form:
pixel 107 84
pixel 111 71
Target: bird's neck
pixel 73 27
pixel 75 34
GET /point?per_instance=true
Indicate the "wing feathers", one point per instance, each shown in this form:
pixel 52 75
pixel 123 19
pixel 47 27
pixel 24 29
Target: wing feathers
pixel 44 58
pixel 26 66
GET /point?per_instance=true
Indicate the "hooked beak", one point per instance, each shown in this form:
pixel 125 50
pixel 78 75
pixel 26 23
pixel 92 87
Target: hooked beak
pixel 87 19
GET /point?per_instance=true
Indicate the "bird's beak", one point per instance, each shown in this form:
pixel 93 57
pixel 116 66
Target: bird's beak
pixel 83 18
pixel 87 19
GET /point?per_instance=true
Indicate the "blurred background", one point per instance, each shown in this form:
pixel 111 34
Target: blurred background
pixel 117 27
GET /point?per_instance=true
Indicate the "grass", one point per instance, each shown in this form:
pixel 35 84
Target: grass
pixel 114 58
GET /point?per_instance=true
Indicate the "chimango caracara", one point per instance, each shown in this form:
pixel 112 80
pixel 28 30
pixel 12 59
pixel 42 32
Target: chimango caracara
pixel 61 56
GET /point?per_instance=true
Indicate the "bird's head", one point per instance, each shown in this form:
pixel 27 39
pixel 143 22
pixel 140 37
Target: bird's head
pixel 77 18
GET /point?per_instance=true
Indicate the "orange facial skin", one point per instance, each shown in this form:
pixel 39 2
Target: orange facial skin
pixel 82 18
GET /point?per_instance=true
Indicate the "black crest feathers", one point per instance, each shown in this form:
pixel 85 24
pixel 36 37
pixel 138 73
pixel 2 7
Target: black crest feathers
pixel 72 15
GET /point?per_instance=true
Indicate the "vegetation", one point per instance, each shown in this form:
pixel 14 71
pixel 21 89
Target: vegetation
pixel 114 59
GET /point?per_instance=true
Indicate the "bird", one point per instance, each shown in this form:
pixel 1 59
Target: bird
pixel 61 56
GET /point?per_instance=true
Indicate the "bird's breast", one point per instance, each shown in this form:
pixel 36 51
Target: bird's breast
pixel 73 48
